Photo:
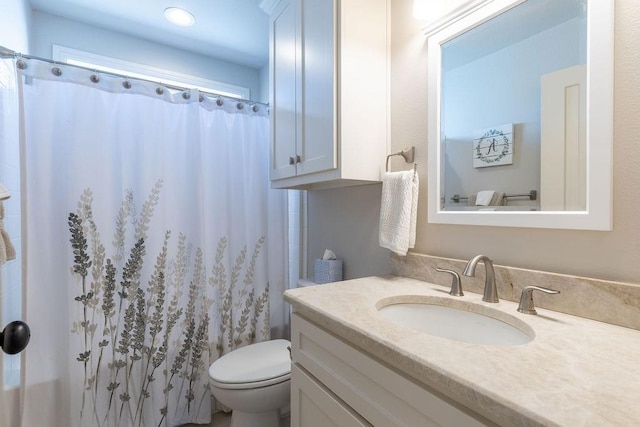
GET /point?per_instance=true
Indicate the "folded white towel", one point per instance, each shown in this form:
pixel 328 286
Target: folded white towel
pixel 399 211
pixel 7 251
pixel 483 198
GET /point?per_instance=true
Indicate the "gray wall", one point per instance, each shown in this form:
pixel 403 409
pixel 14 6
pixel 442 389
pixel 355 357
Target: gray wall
pixel 50 29
pixel 346 220
pixel 264 85
pixel 15 25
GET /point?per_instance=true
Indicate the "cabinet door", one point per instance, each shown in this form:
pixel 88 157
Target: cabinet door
pixel 312 405
pixel 373 390
pixel 284 45
pixel 317 148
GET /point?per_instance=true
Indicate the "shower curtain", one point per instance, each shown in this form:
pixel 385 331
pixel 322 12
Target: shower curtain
pixel 10 283
pixel 153 246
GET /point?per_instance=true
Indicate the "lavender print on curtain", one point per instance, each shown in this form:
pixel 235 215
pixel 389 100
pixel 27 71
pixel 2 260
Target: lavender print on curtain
pixel 144 338
pixel 154 246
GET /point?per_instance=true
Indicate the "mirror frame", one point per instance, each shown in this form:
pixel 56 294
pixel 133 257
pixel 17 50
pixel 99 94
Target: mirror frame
pixel 600 44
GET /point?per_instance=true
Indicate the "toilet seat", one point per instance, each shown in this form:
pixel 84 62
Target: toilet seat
pixel 253 366
pixel 246 386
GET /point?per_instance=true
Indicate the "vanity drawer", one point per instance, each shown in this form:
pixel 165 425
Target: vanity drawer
pixel 380 395
pixel 313 405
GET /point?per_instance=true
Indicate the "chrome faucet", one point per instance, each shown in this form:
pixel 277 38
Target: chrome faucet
pixel 490 291
pixel 526 298
pixel 456 286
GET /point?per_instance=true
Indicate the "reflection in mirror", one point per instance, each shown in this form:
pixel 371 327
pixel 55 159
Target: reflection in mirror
pixel 497 81
pixel 515 125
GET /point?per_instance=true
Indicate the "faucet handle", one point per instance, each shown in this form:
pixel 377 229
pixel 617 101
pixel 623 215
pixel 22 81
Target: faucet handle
pixel 456 286
pixel 526 298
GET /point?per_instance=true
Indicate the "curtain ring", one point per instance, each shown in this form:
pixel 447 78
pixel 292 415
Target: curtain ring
pixel 56 71
pixel 126 84
pixel 186 95
pixel 159 90
pixel 255 108
pixel 95 78
pixel 219 101
pixel 21 64
pixel 239 105
pixel 200 98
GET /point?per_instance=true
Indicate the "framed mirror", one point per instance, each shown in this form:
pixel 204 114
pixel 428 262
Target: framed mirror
pixel 521 115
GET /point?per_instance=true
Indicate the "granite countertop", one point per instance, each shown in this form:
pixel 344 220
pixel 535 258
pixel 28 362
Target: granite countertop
pixel 575 372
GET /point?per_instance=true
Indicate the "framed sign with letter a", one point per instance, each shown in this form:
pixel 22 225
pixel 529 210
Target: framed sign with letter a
pixel 493 146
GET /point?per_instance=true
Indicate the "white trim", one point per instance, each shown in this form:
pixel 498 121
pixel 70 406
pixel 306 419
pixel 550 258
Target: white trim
pixel 598 214
pixel 107 64
pixel 304 225
pixel 452 16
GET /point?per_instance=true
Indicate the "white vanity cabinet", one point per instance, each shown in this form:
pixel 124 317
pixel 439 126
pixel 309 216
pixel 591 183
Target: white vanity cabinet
pixel 328 92
pixel 334 383
pixel 317 406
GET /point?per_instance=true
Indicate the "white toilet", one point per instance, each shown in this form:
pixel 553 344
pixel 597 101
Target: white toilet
pixel 254 382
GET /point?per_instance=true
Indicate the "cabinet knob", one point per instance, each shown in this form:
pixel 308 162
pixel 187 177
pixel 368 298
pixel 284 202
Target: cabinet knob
pixel 294 160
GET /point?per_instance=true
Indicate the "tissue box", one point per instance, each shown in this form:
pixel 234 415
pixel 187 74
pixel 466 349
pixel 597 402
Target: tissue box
pixel 327 270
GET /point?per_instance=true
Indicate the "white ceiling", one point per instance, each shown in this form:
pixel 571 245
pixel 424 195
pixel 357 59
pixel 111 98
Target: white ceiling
pixel 232 30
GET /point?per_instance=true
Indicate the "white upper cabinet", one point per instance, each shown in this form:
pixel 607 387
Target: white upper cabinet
pixel 329 92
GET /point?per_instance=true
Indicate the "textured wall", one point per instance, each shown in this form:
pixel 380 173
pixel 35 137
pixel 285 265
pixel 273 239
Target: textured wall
pixel 613 255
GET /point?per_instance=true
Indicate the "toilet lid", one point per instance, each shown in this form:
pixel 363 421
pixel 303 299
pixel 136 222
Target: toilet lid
pixel 253 363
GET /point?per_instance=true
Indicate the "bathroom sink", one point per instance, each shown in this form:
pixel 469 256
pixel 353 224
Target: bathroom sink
pixel 465 322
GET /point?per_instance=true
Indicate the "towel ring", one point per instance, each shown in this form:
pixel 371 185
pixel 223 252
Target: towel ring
pixel 408 154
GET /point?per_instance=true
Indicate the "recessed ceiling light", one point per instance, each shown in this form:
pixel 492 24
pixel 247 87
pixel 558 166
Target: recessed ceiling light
pixel 179 16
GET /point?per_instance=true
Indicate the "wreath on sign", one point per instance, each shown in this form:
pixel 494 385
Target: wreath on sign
pixel 492 134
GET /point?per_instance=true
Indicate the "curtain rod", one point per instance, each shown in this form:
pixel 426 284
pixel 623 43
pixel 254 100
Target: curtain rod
pixel 8 53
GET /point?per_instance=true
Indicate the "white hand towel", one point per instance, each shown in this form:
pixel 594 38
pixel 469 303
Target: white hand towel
pixel 7 251
pixel 484 197
pixel 399 211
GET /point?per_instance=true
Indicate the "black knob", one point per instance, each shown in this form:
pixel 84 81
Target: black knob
pixel 15 337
